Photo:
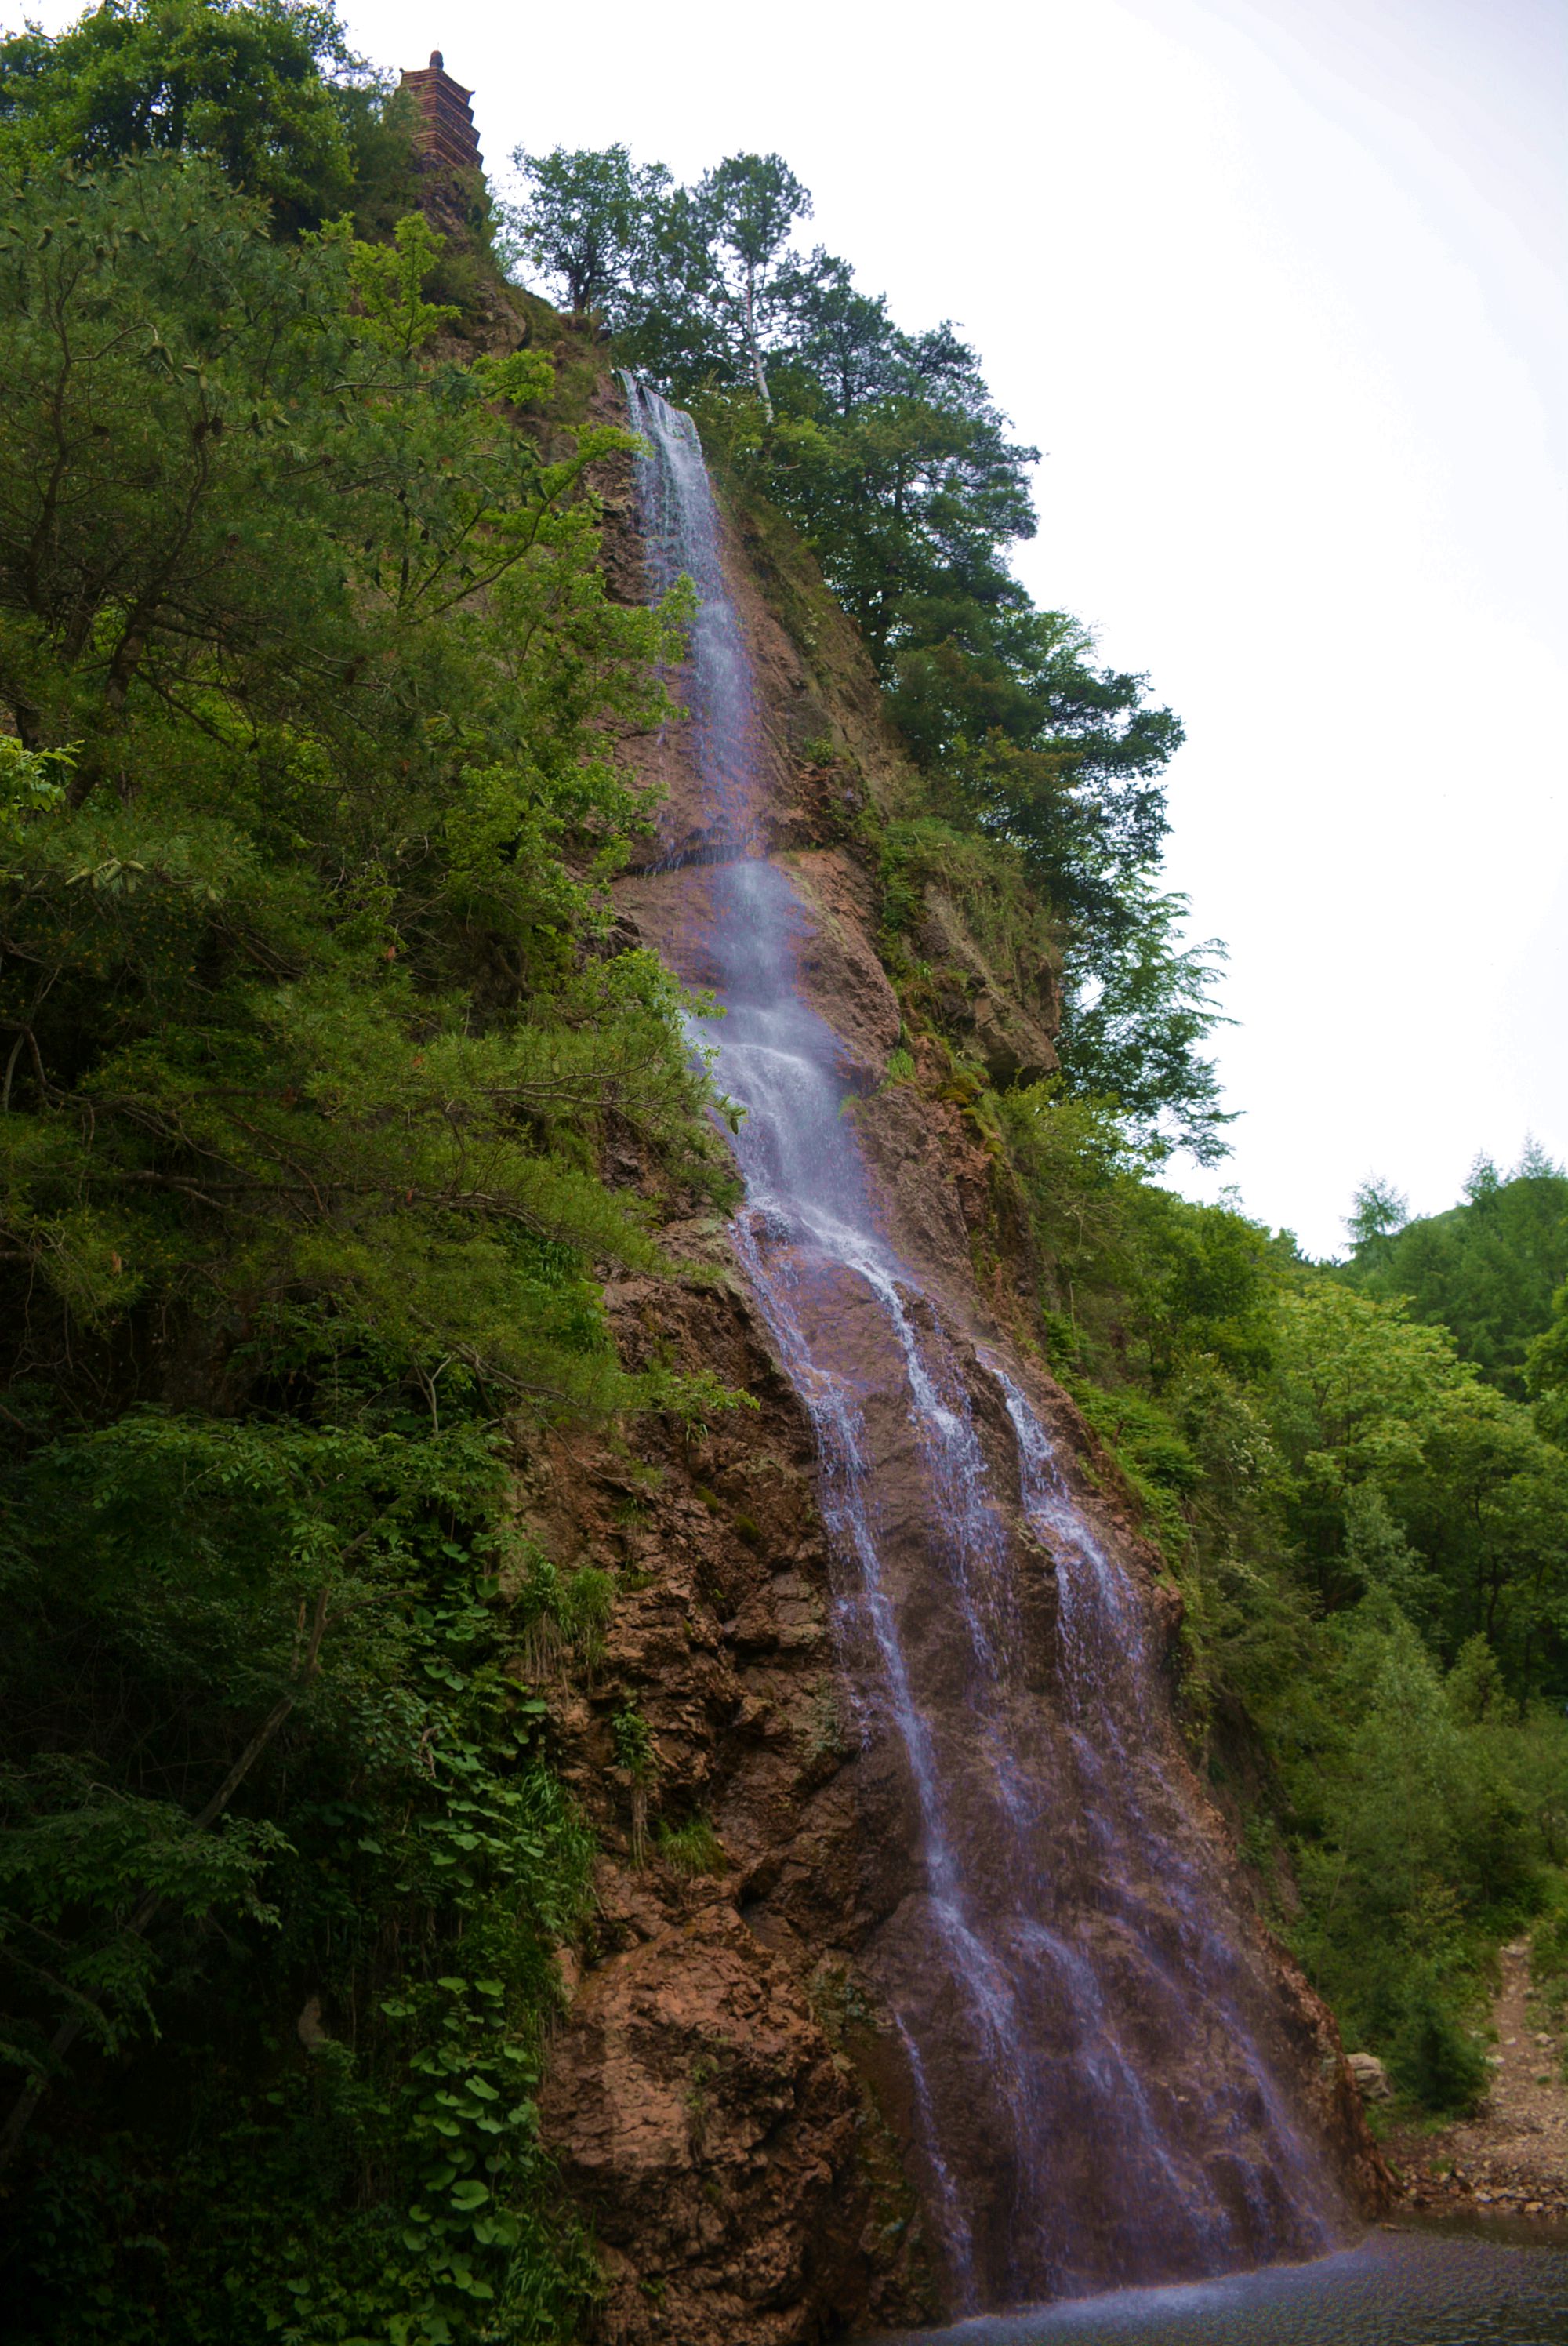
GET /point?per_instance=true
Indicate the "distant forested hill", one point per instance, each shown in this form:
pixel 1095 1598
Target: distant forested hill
pixel 1487 1270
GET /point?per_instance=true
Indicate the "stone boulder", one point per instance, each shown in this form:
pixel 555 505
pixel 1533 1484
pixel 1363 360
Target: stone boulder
pixel 1371 2077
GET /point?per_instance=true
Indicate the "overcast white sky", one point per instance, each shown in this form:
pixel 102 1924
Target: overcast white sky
pixel 1280 287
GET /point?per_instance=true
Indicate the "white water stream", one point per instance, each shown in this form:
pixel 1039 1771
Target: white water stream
pixel 1077 2008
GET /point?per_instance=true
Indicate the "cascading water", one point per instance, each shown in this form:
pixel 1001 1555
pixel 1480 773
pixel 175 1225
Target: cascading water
pixel 1097 2089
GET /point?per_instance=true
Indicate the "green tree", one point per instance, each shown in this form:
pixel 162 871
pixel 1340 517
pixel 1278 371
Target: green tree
pixel 154 491
pixel 908 496
pixel 1487 1268
pixel 269 88
pixel 1369 1398
pixel 388 282
pixel 587 222
pixel 1378 1213
pixel 1139 1006
pixel 844 340
pixel 1416 1844
pixel 1546 1370
pixel 246 529
pixel 749 204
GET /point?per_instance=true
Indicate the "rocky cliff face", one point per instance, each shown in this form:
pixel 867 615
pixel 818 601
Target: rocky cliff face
pixel 701 2098
pixel 728 2097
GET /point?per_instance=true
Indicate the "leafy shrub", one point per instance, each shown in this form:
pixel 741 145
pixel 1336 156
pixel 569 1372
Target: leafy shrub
pixel 1434 2058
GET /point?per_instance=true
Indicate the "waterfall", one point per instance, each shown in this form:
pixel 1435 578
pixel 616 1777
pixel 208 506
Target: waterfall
pixel 1098 2088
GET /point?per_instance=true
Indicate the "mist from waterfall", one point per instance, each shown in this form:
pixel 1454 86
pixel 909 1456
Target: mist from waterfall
pixel 1064 1916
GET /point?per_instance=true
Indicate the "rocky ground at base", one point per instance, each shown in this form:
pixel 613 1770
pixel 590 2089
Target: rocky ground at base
pixel 1510 2159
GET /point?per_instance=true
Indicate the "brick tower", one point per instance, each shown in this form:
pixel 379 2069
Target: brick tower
pixel 446 137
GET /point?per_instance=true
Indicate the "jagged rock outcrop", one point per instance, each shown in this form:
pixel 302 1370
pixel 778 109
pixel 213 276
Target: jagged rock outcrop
pixel 699 2117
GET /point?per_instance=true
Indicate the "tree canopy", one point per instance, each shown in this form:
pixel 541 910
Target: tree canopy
pixel 588 219
pixel 1487 1268
pixel 268 88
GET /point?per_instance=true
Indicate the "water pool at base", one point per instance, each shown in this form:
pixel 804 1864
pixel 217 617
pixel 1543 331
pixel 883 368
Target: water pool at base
pixel 1396 2288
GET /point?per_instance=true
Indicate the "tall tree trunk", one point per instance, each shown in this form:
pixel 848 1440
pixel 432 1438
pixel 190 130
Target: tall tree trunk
pixel 756 351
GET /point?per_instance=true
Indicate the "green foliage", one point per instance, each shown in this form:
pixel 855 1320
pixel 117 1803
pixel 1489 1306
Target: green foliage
pixel 388 285
pixel 1133 1023
pixel 1372 1403
pixel 1417 1849
pixel 562 1615
pixel 1546 1370
pixel 633 1742
pixel 343 674
pixel 1073 1161
pixel 959 916
pixel 585 220
pixel 1372 1546
pixel 1150 1455
pixel 1044 750
pixel 1487 1270
pixel 1152 1283
pixel 1433 2056
pixel 692 1848
pixel 636 1760
pixel 747 206
pixel 268 88
pixel 313 1039
pixel 1377 1212
pixel 180 1582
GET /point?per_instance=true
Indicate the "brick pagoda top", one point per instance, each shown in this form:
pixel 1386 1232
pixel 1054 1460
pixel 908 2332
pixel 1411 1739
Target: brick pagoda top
pixel 446 132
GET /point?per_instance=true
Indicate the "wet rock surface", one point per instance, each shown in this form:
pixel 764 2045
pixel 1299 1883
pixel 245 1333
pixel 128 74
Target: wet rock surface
pixel 734 2165
pixel 933 2030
